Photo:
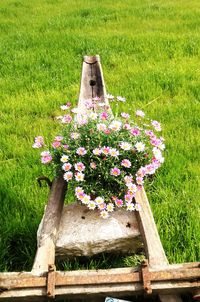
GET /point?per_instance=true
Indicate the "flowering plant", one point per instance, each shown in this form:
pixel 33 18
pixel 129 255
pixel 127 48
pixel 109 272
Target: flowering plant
pixel 104 159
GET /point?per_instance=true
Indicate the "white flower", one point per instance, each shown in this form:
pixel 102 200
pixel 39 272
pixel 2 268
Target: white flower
pixel 79 190
pixel 140 146
pixel 93 116
pixel 132 187
pixel 137 207
pixel 68 176
pixel 91 205
pixel 99 200
pixel 75 110
pixel 161 147
pixel 113 152
pixel 64 107
pixel 125 146
pixel 97 151
pixel 130 207
pixel 110 207
pixel 115 125
pixel 79 176
pixel 104 214
pixel 102 104
pixel 157 153
pixel 85 199
pixel 110 96
pixel 139 113
pixel 64 158
pixel 121 99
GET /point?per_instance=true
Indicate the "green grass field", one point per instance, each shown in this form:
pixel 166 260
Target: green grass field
pixel 150 53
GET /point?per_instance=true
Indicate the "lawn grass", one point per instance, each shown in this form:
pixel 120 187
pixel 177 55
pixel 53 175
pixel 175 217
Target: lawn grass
pixel 150 52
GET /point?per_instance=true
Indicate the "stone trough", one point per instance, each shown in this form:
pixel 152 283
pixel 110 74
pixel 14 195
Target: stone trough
pixel 83 232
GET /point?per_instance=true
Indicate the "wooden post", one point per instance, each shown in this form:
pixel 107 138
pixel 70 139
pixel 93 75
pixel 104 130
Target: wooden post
pixel 45 255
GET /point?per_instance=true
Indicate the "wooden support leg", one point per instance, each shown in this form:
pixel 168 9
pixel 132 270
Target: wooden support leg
pixel 153 246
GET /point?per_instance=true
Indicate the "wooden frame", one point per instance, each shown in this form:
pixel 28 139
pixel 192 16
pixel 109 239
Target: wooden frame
pixel 155 276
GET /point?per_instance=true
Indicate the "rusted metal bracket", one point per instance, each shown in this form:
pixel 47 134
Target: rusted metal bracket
pixel 51 281
pixel 40 178
pixel 146 277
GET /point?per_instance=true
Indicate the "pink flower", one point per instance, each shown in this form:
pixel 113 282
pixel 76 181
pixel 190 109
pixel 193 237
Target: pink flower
pixel 128 179
pixel 101 127
pixel 105 150
pixel 155 142
pixel 125 115
pixel 150 134
pixel 80 195
pixel 119 203
pixel 139 181
pixel 135 131
pixel 141 172
pixel 75 135
pixel 81 151
pixel 96 99
pixel 80 167
pixel 78 190
pixel 66 119
pixel 68 176
pixel 128 197
pixel 102 206
pixel 93 165
pixel 104 115
pixel 126 163
pixel 127 126
pixel 39 142
pixel 56 144
pixel 156 125
pixel 89 104
pixel 37 145
pixel 66 146
pixel 115 171
pixel 46 157
pixel 82 119
pixel 150 169
pixel 59 138
pixel 107 131
pixel 66 166
pixel 139 113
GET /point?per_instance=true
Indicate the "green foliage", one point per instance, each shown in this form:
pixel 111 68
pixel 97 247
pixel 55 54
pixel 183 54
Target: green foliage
pixel 150 53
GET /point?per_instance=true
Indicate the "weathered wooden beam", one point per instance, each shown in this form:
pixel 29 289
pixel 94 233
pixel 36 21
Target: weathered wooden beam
pixel 151 239
pixel 45 254
pixel 122 281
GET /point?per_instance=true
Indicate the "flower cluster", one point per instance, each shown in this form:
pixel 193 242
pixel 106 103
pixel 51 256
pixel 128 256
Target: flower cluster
pixel 105 159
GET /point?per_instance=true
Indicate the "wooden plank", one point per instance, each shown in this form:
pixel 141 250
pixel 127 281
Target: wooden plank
pixel 118 281
pixel 152 243
pixel 151 239
pixel 45 254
